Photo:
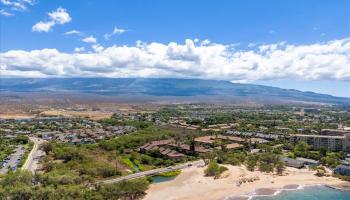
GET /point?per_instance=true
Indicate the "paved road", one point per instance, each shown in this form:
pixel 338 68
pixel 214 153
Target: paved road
pixel 32 162
pixel 153 172
pixel 14 159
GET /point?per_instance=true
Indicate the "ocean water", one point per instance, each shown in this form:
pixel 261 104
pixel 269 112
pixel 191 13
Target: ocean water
pixel 309 193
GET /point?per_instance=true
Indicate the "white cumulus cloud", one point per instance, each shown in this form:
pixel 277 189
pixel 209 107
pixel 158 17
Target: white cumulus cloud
pixel 16 5
pixel 97 47
pixel 90 39
pixel 58 16
pixel 3 12
pixel 73 32
pixel 79 49
pixel 43 26
pixel 319 61
pixel 116 31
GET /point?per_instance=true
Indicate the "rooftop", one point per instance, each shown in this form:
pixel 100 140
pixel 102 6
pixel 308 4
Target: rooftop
pixel 307 160
pixel 318 136
pixel 343 167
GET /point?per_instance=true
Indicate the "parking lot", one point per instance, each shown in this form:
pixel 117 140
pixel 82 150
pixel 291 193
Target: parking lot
pixel 12 161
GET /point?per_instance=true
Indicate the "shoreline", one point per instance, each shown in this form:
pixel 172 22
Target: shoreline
pixel 270 192
pixel 341 187
pixel 191 184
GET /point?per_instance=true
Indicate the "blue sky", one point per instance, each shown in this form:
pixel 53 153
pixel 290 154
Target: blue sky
pixel 244 35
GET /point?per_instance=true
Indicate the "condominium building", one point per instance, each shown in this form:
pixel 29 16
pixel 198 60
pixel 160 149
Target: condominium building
pixel 329 142
pixel 334 132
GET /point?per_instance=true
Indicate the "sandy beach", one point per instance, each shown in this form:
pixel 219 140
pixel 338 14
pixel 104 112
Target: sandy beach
pixel 192 185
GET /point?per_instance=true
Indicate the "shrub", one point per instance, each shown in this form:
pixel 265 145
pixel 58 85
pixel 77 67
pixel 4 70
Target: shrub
pixel 21 139
pixel 134 189
pixel 68 154
pixel 252 162
pixel 214 169
pixel 108 171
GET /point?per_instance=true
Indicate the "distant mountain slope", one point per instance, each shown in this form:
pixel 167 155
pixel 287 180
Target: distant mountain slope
pixel 165 88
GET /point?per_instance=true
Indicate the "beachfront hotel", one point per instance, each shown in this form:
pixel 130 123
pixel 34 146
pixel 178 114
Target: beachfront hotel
pixel 333 142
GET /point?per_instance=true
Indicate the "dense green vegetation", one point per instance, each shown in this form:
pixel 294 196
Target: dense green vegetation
pixel 130 164
pixel 84 162
pixel 136 139
pixel 24 186
pixel 266 161
pixel 233 158
pixel 150 160
pixel 332 159
pixel 6 148
pixel 114 121
pixel 131 142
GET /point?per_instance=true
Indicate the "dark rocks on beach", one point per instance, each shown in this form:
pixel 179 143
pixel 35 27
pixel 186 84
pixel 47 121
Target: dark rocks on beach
pixel 237 198
pixel 265 191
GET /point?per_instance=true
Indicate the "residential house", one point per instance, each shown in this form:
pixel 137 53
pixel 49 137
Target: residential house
pixel 309 162
pixel 292 162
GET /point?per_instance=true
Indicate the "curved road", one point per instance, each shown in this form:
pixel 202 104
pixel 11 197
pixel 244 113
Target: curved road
pixel 153 172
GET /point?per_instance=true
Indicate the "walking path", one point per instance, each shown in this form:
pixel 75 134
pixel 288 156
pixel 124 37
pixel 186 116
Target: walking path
pixel 153 172
pixel 32 161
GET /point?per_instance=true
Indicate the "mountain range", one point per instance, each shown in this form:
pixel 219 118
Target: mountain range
pixel 162 88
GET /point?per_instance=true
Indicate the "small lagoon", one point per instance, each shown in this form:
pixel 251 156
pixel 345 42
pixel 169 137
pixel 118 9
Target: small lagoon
pixel 161 179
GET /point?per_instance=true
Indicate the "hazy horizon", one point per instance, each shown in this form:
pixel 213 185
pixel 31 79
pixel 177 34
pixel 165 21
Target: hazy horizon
pixel 340 89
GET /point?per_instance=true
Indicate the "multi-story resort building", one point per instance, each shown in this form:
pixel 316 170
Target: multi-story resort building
pixel 334 132
pixel 331 142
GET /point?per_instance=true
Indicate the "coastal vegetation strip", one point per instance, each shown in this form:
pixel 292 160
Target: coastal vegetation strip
pixel 170 173
pixel 19 185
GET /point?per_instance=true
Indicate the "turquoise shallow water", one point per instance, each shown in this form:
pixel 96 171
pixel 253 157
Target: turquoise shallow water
pixel 309 193
pixel 160 179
